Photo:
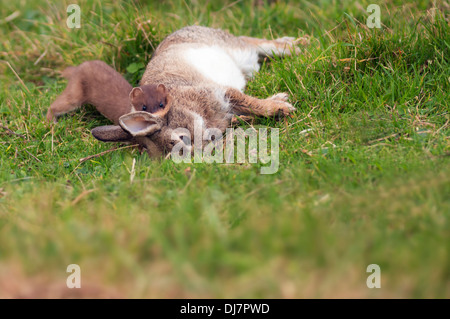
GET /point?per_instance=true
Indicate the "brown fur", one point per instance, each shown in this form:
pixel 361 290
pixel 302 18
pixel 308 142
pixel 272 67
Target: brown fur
pixel 151 98
pixel 98 84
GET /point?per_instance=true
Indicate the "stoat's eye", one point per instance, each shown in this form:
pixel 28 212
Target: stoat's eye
pixel 144 108
pixel 161 105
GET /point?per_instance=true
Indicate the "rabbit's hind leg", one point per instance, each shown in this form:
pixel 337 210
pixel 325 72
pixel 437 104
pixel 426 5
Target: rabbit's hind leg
pixel 278 47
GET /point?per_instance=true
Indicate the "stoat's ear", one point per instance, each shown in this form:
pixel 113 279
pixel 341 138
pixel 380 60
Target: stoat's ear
pixel 139 123
pixel 162 89
pixel 167 103
pixel 137 96
pixel 111 133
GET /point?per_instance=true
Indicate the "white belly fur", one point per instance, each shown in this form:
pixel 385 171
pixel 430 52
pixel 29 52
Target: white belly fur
pixel 215 64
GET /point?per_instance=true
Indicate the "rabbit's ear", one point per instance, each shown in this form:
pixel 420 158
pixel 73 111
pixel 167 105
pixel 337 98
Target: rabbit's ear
pixel 111 133
pixel 139 123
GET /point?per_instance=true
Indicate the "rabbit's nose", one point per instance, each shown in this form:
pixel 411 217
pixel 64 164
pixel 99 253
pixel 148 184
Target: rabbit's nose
pixel 185 139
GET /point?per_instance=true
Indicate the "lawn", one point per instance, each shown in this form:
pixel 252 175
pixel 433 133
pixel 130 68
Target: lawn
pixel 364 174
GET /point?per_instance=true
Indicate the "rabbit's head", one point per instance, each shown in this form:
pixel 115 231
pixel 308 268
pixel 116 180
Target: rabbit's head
pixel 157 134
pixel 191 118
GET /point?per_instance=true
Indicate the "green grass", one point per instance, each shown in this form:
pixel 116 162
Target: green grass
pixel 368 183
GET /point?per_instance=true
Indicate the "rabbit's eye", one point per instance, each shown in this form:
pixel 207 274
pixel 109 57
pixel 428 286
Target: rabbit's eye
pixel 144 108
pixel 161 105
